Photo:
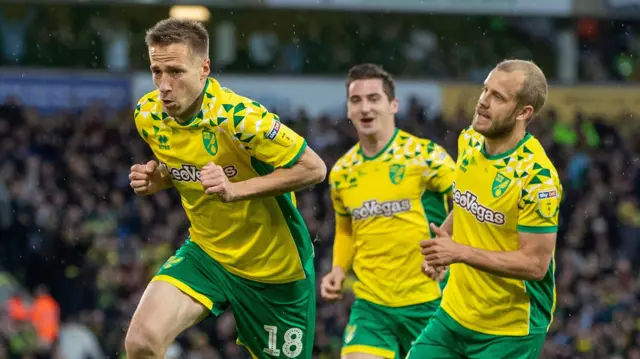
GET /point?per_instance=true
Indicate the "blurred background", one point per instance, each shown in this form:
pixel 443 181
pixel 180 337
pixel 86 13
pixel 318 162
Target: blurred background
pixel 77 247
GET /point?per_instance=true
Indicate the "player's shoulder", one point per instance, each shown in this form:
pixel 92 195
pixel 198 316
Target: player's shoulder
pixel 345 163
pixel 469 137
pixel 421 147
pixel 236 104
pixel 536 164
pixel 148 108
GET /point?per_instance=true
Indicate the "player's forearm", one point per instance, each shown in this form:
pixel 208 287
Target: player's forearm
pixel 343 251
pixel 447 225
pixel 309 170
pixel 512 264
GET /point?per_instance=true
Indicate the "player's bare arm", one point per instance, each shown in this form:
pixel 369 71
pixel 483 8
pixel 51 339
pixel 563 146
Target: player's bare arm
pixel 307 171
pixel 147 179
pixel 530 262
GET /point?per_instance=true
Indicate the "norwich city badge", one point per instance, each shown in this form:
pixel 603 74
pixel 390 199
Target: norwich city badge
pixel 500 185
pixel 396 173
pixel 210 142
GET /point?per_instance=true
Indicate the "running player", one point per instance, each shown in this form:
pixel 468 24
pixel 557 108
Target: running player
pixel 235 167
pixel 500 297
pixel 385 191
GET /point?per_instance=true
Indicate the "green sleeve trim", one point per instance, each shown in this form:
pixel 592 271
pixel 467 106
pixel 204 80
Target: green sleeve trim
pixel 343 214
pixel 297 156
pixel 536 229
pixel 447 190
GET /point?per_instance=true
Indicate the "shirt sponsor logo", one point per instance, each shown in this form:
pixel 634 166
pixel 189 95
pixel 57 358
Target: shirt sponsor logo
pixel 469 202
pixel 191 173
pixel 374 208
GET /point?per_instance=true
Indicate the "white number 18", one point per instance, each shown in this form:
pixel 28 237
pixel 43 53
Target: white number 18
pixel 292 346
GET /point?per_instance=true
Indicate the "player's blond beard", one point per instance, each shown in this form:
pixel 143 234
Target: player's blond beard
pixel 503 128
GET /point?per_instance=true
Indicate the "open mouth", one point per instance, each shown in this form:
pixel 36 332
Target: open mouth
pixel 167 102
pixel 483 115
pixel 366 120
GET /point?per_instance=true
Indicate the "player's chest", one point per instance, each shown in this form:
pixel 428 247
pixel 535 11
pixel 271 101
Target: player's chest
pixel 185 152
pixel 381 182
pixel 485 189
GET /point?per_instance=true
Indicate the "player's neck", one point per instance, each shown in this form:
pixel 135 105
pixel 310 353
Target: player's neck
pixel 497 146
pixel 372 145
pixel 192 110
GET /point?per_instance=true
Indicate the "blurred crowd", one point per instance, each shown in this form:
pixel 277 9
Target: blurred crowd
pixel 83 247
pixel 289 41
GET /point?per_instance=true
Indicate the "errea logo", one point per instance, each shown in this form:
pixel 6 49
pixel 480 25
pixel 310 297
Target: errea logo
pixel 163 141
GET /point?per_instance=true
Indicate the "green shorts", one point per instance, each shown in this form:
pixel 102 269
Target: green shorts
pixel 273 320
pixel 385 332
pixel 444 338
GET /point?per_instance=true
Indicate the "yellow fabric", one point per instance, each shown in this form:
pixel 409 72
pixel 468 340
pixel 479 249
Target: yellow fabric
pixel 343 245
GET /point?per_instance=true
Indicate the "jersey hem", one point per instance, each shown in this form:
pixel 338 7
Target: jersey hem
pixel 537 229
pixel 297 156
pixel 243 274
pixel 398 304
pixel 487 331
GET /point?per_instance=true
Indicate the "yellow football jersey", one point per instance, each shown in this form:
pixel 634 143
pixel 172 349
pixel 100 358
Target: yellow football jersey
pixel 496 197
pixel 390 199
pixel 264 239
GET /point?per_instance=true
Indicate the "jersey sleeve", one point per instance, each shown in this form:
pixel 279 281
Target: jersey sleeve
pixel 540 202
pixel 338 205
pixel 139 119
pixel 264 136
pixel 441 169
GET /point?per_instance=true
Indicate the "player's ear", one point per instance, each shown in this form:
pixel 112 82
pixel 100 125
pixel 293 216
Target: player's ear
pixel 525 113
pixel 394 106
pixel 206 68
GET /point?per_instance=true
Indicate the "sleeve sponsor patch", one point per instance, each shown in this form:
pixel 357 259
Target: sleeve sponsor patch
pixel 548 203
pixel 274 130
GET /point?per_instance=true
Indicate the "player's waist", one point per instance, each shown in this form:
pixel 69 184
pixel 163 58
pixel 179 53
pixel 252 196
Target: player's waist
pixel 396 294
pixel 257 262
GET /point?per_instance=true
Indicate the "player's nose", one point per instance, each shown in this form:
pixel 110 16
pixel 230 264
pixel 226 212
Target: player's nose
pixel 164 87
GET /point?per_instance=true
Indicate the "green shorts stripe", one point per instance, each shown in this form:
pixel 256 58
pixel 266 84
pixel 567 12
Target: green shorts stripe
pixel 272 319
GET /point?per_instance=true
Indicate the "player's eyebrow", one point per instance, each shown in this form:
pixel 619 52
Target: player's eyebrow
pixel 504 95
pixel 167 67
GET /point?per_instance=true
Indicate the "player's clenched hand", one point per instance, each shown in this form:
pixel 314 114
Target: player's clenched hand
pixel 331 286
pixel 146 179
pixel 435 273
pixel 215 181
pixel 442 250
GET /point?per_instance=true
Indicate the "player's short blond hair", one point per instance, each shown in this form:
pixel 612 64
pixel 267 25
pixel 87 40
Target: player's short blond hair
pixel 180 31
pixel 534 89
